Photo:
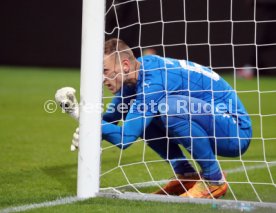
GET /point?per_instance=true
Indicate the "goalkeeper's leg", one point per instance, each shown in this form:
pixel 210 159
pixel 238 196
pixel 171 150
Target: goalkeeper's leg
pixel 185 176
pixel 195 133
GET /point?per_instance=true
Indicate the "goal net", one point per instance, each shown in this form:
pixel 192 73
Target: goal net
pixel 233 38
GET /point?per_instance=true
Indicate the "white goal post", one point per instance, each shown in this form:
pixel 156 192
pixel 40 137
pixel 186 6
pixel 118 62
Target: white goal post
pixel 91 96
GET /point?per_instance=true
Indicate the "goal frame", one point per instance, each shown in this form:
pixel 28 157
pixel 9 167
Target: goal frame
pixel 93 19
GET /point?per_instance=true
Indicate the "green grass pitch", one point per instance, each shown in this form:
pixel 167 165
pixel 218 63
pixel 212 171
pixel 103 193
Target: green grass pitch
pixel 37 165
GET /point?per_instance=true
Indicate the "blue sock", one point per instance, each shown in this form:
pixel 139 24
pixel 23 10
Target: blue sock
pixel 182 167
pixel 213 177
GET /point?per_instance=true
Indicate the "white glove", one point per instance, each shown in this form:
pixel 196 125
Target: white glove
pixel 75 140
pixel 65 97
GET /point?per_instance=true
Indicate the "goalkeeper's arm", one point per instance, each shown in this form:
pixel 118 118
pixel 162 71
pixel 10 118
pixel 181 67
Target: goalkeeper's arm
pixel 65 97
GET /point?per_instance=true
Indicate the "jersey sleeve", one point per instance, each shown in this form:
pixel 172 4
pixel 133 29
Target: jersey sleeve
pixel 112 114
pixel 117 109
pixel 149 92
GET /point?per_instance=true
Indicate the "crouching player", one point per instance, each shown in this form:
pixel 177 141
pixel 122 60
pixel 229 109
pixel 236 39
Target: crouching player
pixel 175 103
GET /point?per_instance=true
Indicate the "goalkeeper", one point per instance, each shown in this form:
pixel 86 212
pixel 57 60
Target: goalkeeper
pixel 175 103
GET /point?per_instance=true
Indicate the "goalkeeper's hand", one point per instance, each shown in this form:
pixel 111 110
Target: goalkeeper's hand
pixel 65 97
pixel 75 140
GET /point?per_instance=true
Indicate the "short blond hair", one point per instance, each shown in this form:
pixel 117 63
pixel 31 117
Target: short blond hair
pixel 114 45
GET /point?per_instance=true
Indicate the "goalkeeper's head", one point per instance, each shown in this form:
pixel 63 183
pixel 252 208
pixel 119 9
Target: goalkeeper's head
pixel 120 65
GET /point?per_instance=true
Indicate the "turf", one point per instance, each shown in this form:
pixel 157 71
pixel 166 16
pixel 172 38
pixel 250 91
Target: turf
pixel 37 165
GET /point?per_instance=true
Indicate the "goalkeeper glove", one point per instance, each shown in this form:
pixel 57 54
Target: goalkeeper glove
pixel 65 97
pixel 75 140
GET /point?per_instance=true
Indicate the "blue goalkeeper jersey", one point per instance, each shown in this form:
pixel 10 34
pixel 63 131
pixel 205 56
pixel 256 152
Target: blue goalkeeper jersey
pixel 160 77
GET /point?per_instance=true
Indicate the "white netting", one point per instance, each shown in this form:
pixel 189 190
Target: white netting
pixel 232 37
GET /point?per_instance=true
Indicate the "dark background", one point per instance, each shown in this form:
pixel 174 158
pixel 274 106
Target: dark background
pixel 48 33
